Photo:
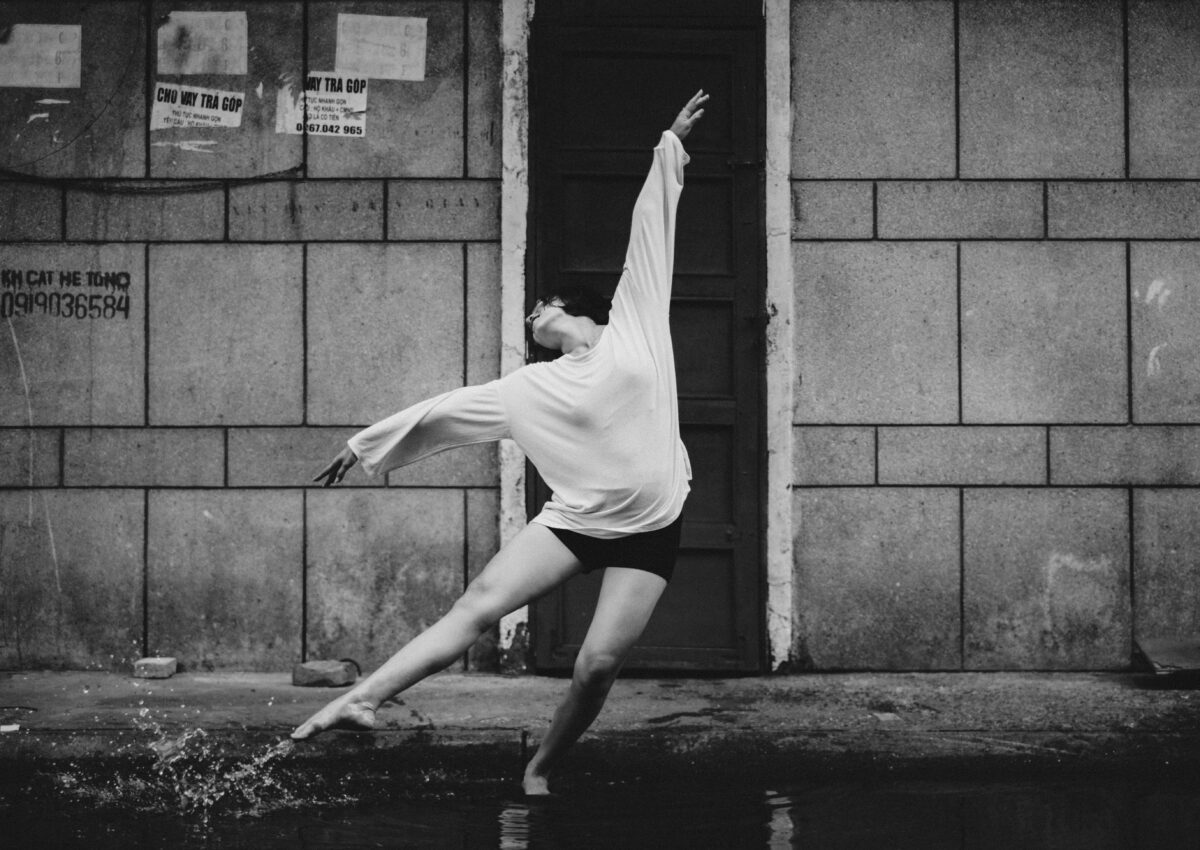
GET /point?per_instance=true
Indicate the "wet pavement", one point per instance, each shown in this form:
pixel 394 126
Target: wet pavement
pixel 705 730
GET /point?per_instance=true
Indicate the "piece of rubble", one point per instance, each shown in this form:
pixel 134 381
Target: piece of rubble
pixel 324 674
pixel 155 668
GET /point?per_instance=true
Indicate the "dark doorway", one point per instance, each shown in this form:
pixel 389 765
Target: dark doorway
pixel 604 85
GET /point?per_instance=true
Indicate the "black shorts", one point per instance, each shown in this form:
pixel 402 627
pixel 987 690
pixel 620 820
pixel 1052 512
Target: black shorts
pixel 652 551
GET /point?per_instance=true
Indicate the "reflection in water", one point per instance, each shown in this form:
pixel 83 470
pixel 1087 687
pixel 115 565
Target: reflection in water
pixel 514 827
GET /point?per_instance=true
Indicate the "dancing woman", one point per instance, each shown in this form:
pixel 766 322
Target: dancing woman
pixel 601 424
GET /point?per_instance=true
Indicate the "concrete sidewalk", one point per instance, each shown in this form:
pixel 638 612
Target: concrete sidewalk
pixel 777 729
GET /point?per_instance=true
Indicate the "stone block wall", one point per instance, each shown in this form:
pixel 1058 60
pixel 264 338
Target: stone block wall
pixel 996 238
pixel 241 301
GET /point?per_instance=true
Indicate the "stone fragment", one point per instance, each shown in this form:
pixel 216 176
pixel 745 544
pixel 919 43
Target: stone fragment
pixel 155 668
pixel 324 674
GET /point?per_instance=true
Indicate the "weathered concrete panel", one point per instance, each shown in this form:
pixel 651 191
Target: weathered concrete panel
pixel 274 61
pixel 483 313
pixel 385 328
pixel 96 130
pixel 873 89
pixel 146 211
pixel 1041 89
pixel 1164 88
pixel 962 209
pixel 876 337
pixel 962 455
pixel 837 455
pixel 143 457
pixel 383 565
pixel 877 579
pixel 444 209
pixel 1043 336
pixel 485 73
pixel 1131 454
pixel 71 569
pixel 1166 563
pixel 31 211
pixel 413 128
pixel 225 578
pixel 288 457
pixel 832 209
pixel 1046 579
pixel 1165 313
pixel 226 334
pixel 300 211
pixel 1124 210
pixel 55 368
pixel 29 457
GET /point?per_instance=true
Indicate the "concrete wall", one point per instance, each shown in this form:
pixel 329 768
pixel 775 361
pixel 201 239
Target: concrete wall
pixel 277 292
pixel 996 237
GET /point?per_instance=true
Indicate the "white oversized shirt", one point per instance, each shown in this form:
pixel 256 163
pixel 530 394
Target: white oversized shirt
pixel 600 424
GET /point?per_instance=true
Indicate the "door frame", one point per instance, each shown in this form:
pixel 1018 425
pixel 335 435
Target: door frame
pixel 777 519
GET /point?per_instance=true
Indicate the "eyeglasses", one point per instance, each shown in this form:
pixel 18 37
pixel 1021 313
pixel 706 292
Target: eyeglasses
pixel 539 306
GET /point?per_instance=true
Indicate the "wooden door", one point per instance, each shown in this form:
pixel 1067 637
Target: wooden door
pixel 602 90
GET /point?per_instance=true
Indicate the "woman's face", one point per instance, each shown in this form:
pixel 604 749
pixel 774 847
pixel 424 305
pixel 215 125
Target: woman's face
pixel 544 311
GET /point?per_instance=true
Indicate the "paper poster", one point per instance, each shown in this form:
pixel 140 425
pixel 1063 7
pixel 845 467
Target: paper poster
pixel 41 56
pixel 383 47
pixel 203 43
pixel 188 106
pixel 330 105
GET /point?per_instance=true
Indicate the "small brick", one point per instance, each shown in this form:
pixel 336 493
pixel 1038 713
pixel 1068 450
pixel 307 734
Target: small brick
pixel 1164 79
pixel 1041 91
pixel 834 209
pixel 1124 210
pixel 220 353
pixel 1165 312
pixel 962 455
pixel 876 333
pixel 466 466
pixel 873 89
pixel 163 213
pixel 1133 454
pixel 288 457
pixel 29 458
pixel 961 209
pixel 31 211
pixel 1046 579
pixel 143 457
pixel 1038 322
pixel 444 209
pixel 329 210
pixel 155 668
pixel 877 579
pixel 1166 534
pixel 324 674
pixel 835 455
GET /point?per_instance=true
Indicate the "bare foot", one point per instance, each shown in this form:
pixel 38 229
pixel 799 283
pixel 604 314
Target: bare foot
pixel 346 712
pixel 535 784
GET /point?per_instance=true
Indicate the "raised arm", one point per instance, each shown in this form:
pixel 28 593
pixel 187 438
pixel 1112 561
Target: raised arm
pixel 644 294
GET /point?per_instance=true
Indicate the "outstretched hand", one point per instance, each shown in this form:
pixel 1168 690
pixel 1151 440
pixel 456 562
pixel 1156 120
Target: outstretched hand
pixel 689 115
pixel 336 471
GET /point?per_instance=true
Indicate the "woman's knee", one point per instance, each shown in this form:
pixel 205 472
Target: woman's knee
pixel 596 668
pixel 480 603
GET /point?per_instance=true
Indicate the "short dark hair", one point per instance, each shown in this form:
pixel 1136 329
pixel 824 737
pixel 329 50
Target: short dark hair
pixel 576 301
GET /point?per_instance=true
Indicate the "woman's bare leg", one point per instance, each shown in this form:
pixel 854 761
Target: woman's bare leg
pixel 532 563
pixel 627 599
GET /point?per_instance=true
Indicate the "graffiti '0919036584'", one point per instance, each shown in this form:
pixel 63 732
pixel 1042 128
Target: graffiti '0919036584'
pixel 66 305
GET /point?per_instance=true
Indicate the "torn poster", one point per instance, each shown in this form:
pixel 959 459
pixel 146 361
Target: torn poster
pixel 41 56
pixel 189 106
pixel 330 105
pixel 202 43
pixel 380 46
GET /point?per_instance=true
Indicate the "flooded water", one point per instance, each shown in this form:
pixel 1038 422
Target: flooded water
pixel 184 794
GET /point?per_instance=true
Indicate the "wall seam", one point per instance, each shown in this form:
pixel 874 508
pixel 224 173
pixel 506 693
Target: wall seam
pixel 962 579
